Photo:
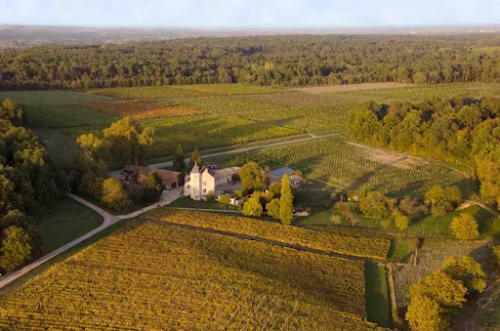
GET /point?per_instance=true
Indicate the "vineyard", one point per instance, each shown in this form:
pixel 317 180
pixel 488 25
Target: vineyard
pixel 152 277
pixel 232 89
pixel 210 116
pixel 140 109
pixel 60 109
pixel 345 165
pixel 348 245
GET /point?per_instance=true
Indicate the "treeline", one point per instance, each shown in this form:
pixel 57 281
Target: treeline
pixel 264 60
pixel 453 130
pixel 28 181
pixel 125 140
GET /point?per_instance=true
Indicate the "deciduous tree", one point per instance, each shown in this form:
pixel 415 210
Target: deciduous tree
pixel 16 248
pixel 273 208
pixel 128 139
pixel 376 204
pixel 253 207
pixel 114 195
pixel 465 227
pixel 196 157
pixel 468 271
pixel 252 178
pixel 179 159
pixel 286 201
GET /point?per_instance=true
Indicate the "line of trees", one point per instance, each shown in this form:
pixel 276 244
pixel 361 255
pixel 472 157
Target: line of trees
pixel 125 140
pixel 28 181
pixel 277 200
pixel 265 60
pixel 454 130
pixel 376 204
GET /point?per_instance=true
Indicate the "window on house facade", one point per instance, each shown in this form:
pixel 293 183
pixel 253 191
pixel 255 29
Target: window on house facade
pixel 204 190
pixel 204 183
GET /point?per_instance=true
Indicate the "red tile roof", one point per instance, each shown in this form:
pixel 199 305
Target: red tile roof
pixel 168 176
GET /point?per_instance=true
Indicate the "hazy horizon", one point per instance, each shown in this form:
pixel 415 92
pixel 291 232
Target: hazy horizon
pixel 251 14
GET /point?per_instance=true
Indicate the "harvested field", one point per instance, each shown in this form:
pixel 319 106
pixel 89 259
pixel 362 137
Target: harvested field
pixel 350 87
pixel 141 109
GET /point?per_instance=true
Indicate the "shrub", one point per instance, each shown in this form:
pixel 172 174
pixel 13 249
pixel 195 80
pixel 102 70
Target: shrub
pixel 465 227
pixel 253 207
pixel 114 196
pixel 225 199
pixel 210 197
pixel 386 222
pixel 336 219
pixel 402 222
pixel 273 209
pixel 412 206
pixel 443 200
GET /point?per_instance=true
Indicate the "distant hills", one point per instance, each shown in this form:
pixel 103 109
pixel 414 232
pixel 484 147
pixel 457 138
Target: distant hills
pixel 12 36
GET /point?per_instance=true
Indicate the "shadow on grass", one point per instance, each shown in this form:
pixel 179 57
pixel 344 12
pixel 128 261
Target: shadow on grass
pixel 377 295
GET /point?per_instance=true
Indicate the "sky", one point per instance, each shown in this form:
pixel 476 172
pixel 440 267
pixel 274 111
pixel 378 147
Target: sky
pixel 250 13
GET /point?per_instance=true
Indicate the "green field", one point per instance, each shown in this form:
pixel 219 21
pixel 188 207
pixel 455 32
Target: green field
pixel 230 113
pixel 378 302
pixel 65 222
pixel 489 225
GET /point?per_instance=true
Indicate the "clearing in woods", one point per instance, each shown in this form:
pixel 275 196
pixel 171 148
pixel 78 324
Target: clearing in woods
pixel 207 281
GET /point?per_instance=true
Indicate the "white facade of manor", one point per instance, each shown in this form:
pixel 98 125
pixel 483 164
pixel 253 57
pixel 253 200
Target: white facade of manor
pixel 200 182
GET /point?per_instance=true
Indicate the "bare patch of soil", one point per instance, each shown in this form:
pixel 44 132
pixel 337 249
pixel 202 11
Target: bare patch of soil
pixel 395 159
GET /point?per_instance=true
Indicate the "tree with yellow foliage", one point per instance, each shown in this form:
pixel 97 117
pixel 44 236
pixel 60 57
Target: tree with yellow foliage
pixel 114 195
pixel 433 300
pixel 128 138
pixel 465 227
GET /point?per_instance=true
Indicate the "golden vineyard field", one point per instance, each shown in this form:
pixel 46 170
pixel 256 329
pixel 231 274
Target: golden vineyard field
pixel 375 248
pixel 153 277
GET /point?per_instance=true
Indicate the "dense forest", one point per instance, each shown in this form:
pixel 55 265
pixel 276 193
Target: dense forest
pixel 264 60
pixel 28 181
pixel 456 130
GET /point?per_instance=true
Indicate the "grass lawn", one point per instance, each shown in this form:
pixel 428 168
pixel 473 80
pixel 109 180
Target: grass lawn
pixel 489 225
pixel 401 250
pixel 65 222
pixel 377 295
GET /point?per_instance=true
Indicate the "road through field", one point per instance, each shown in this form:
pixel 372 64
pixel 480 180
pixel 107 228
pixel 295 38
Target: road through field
pixel 117 173
pixel 109 219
